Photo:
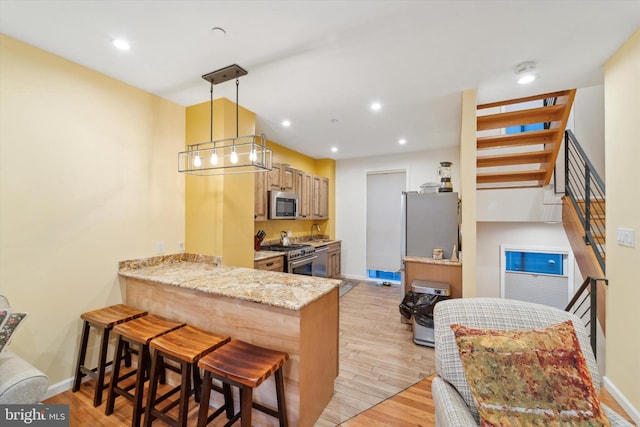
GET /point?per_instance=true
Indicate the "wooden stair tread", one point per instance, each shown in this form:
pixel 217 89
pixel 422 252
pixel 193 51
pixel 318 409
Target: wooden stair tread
pixel 544 136
pixel 144 329
pixel 549 113
pixel 510 176
pixel 108 317
pixel 539 156
pixel 558 94
pixel 188 343
pixel 243 362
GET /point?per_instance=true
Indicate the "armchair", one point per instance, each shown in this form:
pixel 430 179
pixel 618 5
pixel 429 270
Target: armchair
pixel 454 405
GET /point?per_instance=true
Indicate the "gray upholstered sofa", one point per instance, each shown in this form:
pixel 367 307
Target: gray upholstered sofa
pixel 20 382
pixel 454 403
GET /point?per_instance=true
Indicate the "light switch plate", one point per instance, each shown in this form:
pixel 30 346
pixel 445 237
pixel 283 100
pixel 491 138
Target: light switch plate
pixel 626 237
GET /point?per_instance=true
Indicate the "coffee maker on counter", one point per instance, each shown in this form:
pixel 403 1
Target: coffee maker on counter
pixel 444 172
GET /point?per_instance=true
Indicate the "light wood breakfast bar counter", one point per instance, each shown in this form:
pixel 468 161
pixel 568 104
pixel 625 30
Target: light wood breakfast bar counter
pixel 287 312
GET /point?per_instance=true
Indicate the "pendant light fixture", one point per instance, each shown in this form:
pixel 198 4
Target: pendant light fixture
pixel 240 154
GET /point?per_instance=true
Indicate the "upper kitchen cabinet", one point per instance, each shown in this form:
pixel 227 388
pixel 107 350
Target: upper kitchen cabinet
pixel 320 197
pixel 303 181
pixel 312 191
pixel 281 178
pixel 260 198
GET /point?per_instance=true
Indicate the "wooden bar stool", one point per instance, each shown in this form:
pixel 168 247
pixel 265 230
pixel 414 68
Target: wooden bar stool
pixel 245 366
pixel 103 319
pixel 185 346
pixel 137 332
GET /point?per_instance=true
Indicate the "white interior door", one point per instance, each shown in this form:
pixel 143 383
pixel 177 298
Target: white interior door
pixel 384 190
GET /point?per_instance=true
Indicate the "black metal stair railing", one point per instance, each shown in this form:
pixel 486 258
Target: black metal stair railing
pixel 584 304
pixel 586 191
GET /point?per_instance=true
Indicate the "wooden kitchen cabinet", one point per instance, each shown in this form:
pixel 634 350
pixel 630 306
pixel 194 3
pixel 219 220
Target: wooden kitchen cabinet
pixel 275 263
pixel 260 203
pixel 303 188
pixel 334 253
pixel 281 178
pixel 312 191
pixel 431 271
pixel 320 197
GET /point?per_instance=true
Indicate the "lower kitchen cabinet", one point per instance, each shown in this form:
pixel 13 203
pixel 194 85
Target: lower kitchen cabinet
pixel 333 259
pixel 434 271
pixel 275 263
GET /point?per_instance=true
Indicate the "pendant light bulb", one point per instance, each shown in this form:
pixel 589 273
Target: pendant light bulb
pixel 214 157
pixel 253 156
pixel 197 161
pixel 234 155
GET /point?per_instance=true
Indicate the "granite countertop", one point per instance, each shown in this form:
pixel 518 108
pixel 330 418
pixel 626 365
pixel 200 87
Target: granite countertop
pixel 207 274
pixel 315 243
pixel 323 242
pixel 260 255
pixel 425 260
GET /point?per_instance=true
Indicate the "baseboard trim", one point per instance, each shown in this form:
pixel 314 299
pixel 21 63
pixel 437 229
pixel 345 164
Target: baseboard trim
pixel 67 384
pixel 59 387
pixel 621 399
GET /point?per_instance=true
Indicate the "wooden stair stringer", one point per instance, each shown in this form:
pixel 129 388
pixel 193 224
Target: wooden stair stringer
pixel 558 142
pixel 584 255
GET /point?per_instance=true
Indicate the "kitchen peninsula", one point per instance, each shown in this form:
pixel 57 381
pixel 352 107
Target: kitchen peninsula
pixel 293 313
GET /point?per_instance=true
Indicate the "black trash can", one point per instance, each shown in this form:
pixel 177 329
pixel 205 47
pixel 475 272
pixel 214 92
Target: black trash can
pixel 418 304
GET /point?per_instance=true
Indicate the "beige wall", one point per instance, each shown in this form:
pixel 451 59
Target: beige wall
pixel 88 177
pixel 468 138
pixel 622 150
pixel 219 209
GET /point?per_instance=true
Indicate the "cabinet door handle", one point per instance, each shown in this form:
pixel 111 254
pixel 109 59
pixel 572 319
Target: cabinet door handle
pixel 269 264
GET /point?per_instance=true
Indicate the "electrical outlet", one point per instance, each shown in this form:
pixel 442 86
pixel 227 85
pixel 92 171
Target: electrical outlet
pixel 180 246
pixel 160 247
pixel 626 237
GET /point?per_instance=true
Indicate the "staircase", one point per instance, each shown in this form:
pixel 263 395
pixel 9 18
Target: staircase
pixel 527 158
pixel 584 219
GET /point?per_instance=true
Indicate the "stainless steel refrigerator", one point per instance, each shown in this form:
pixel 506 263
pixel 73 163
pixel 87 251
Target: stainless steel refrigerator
pixel 429 221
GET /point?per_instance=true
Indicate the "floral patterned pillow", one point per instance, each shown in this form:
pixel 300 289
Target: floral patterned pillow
pixel 529 377
pixel 4 316
pixel 11 324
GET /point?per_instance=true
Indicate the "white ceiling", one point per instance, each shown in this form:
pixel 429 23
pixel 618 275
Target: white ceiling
pixel 314 61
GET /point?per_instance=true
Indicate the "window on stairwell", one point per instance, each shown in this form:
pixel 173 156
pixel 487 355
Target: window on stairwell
pixel 522 106
pixel 525 128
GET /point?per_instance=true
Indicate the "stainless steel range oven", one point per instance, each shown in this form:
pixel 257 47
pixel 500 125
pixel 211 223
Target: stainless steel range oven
pixel 298 258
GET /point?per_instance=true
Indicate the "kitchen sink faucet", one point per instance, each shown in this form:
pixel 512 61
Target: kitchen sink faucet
pixel 315 227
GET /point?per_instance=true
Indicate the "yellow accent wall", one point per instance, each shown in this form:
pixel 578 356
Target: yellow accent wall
pixel 622 151
pixel 302 228
pixel 88 177
pixel 219 209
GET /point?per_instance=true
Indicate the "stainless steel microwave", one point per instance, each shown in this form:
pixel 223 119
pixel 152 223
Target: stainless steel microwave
pixel 283 205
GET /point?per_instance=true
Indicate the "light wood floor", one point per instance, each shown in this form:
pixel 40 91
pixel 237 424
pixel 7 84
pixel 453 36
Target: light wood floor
pixel 378 358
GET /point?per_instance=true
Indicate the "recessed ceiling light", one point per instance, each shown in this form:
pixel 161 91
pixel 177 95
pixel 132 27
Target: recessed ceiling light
pixel 121 44
pixel 286 123
pixel 526 79
pixel 376 106
pixel 402 141
pixel 334 149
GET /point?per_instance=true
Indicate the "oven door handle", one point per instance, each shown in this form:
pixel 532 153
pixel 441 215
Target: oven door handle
pixel 298 262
